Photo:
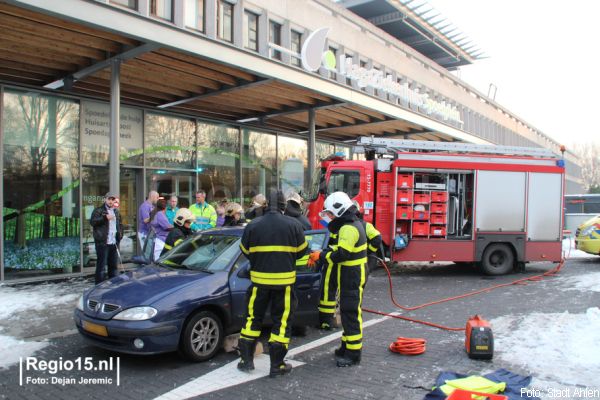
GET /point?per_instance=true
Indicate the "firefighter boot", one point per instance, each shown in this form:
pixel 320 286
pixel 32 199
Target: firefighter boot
pixel 277 352
pixel 341 351
pixel 350 358
pixel 326 321
pixel 246 348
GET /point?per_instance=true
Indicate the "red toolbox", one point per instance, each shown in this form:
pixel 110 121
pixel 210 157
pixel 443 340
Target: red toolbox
pixel 405 181
pixel 420 215
pixel 438 208
pixel 405 196
pixel 404 212
pixel 422 198
pixel 420 228
pixel 438 219
pixel 438 231
pixel 441 197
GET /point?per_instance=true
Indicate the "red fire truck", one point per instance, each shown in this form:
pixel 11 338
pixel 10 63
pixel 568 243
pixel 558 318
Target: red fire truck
pixel 499 206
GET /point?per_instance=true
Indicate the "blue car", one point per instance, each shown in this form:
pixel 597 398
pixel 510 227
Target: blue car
pixel 188 300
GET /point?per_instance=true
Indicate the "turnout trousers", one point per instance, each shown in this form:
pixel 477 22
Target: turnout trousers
pixel 351 281
pixel 329 291
pixel 283 303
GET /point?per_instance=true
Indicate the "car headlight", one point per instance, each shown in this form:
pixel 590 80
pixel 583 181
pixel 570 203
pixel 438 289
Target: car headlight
pixel 80 303
pixel 136 314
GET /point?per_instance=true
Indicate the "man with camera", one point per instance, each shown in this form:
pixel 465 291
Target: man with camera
pixel 108 231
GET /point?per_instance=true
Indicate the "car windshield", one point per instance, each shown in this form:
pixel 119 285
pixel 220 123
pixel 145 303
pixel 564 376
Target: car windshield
pixel 205 252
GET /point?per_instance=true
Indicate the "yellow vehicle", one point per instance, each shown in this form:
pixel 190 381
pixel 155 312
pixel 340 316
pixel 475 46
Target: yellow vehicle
pixel 587 237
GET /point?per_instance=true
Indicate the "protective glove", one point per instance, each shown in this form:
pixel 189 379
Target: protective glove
pixel 313 258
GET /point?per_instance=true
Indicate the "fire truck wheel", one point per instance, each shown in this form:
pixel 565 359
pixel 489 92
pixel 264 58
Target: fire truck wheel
pixel 498 259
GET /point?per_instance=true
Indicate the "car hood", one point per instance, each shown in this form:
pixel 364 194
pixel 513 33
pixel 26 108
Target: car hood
pixel 146 285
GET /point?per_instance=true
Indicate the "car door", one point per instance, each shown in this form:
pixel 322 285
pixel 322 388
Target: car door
pixel 308 281
pixel 307 286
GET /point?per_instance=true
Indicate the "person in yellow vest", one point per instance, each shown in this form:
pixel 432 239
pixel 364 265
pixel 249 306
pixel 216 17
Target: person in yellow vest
pixel 350 257
pixel 206 216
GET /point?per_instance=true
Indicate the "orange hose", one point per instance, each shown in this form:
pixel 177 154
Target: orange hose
pixel 522 281
pixel 408 346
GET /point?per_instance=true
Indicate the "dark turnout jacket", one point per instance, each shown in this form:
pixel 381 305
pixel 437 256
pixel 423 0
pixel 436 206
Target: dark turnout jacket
pixel 100 224
pixel 293 210
pixel 273 243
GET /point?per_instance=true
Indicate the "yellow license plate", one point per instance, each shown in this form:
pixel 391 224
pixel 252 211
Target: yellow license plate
pixel 99 330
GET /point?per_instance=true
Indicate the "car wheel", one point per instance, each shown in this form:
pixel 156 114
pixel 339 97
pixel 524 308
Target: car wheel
pixel 202 336
pixel 498 259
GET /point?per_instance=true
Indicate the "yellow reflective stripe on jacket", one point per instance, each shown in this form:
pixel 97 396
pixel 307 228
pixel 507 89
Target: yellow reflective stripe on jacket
pixel 352 263
pixel 282 249
pixel 177 242
pixel 302 261
pixel 168 246
pixel 244 250
pixel 371 231
pixel 273 278
pixel 351 346
pixel 372 248
pixel 353 249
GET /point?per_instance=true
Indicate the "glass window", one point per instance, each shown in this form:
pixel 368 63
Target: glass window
pixel 259 164
pixel 162 9
pixel 95 134
pixel 332 74
pixel 348 55
pixel 251 31
pixel 94 187
pixel 194 14
pixel 293 160
pixel 275 38
pixel 169 182
pixel 218 161
pixel 170 142
pixel 40 185
pixel 203 253
pixel 324 150
pixel 296 47
pixel 126 3
pixel 225 21
pixel 344 181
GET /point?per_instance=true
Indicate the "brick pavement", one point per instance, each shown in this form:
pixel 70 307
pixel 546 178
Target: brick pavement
pixel 381 375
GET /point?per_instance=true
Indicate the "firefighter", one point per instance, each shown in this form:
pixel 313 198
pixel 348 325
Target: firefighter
pixel 373 240
pixel 329 288
pixel 293 209
pixel 350 256
pixel 272 243
pixel 181 229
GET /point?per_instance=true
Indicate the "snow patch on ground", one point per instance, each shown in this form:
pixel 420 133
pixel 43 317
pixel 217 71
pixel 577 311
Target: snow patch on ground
pixel 563 349
pixel 569 250
pixel 11 349
pixel 16 300
pixel 590 282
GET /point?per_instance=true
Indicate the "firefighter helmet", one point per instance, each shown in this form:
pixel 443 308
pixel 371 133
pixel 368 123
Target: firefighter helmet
pixel 183 215
pixel 337 203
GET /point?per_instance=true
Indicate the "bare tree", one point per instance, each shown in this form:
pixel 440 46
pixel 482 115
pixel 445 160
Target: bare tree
pixel 589 158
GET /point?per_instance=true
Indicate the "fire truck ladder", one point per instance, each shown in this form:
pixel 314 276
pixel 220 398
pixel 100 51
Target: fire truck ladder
pixel 382 146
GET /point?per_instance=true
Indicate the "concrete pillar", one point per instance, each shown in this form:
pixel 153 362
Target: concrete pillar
pixel 179 13
pixel 311 151
pixel 238 24
pixel 115 106
pixel 263 34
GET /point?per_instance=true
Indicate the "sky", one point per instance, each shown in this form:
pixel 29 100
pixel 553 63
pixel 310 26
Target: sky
pixel 542 59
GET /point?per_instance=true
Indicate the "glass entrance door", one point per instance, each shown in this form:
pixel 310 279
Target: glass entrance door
pixel 179 183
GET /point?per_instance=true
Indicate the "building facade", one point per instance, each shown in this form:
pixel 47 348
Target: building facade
pixel 232 97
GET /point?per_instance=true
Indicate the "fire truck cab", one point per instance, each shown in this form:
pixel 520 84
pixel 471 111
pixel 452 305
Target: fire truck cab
pixel 499 206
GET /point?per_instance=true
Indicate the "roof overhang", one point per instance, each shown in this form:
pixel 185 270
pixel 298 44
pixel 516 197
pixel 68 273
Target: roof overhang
pixel 69 44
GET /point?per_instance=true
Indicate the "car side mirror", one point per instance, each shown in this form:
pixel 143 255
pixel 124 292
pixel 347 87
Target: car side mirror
pixel 244 271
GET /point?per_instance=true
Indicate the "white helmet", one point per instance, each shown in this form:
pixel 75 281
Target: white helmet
pixel 183 215
pixel 337 203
